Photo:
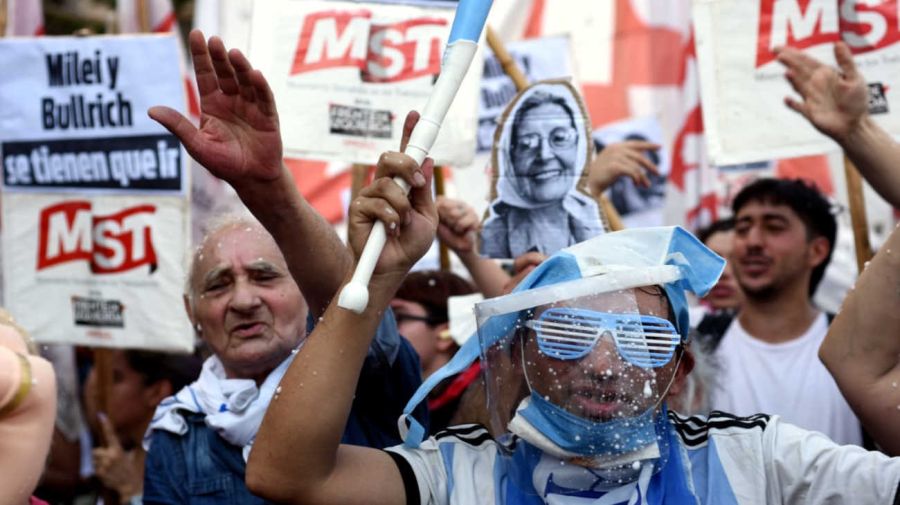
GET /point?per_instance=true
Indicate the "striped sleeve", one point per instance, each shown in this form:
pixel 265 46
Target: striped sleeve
pixel 694 431
pixel 761 459
pixel 454 467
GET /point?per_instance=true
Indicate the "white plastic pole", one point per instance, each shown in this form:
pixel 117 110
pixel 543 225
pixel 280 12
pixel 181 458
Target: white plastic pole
pixel 457 58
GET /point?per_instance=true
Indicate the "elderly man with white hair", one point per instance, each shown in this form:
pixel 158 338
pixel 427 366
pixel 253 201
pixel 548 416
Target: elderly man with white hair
pixel 247 296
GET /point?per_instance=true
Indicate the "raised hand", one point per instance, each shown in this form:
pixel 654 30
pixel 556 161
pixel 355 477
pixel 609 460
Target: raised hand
pixel 458 225
pixel 627 159
pixel 116 468
pixel 239 139
pixel 410 220
pixel 834 100
pixel 522 266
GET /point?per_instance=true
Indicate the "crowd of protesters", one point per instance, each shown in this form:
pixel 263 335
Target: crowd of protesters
pixel 640 366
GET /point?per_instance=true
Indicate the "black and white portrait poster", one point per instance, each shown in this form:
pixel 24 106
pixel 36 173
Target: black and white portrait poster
pixel 542 148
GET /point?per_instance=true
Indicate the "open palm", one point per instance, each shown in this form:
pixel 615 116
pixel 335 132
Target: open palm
pixel 834 100
pixel 238 139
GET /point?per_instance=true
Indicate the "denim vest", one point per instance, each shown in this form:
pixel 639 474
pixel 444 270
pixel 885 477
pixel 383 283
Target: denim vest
pixel 200 467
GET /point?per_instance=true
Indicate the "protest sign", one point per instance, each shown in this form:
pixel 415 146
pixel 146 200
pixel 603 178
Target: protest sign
pixel 345 74
pixel 743 86
pixel 103 271
pixel 95 210
pixel 73 114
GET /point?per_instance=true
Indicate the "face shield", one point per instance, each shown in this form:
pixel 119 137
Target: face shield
pixel 580 369
pixel 579 358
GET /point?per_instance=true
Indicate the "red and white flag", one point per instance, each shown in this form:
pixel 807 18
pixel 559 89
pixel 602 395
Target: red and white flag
pixel 24 18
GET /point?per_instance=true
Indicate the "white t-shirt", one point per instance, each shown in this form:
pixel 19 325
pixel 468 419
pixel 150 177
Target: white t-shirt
pixel 785 379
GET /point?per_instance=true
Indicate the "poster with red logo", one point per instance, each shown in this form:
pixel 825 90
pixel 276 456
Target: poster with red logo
pixel 94 203
pixel 345 74
pixel 743 85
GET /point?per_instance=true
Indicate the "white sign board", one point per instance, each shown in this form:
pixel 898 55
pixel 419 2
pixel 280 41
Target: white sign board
pixel 743 86
pixel 345 74
pixel 95 209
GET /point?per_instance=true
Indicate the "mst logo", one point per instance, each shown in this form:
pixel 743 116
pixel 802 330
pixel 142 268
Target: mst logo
pixel 110 244
pixel 865 25
pixel 382 52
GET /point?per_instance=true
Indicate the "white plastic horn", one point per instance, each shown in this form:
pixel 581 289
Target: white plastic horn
pixel 458 57
pixel 462 43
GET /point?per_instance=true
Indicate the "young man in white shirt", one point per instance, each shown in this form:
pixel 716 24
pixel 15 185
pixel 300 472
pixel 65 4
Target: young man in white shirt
pixel 784 236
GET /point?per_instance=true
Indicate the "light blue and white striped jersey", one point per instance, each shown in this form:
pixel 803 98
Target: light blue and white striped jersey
pixel 720 459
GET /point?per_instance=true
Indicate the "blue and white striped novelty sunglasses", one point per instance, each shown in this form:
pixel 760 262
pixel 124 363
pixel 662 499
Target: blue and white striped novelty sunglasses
pixel 568 333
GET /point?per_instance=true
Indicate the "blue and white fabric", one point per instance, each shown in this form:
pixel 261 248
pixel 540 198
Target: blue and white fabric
pixel 717 460
pixel 234 408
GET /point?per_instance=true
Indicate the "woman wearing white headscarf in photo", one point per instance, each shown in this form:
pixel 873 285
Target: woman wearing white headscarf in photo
pixel 541 149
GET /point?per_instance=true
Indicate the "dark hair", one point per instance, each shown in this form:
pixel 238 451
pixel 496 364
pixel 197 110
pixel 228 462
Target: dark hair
pixel 660 291
pixel 720 226
pixel 431 289
pixel 813 209
pixel 179 369
pixel 535 100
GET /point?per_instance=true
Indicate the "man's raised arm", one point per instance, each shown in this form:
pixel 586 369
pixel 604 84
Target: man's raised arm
pixel 836 102
pixel 862 346
pixel 239 141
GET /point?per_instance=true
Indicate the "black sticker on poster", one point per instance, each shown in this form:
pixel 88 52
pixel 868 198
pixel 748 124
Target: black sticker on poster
pixel 97 312
pixel 877 100
pixel 360 121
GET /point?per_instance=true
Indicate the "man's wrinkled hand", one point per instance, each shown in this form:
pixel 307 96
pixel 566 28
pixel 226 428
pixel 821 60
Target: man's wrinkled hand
pixel 239 139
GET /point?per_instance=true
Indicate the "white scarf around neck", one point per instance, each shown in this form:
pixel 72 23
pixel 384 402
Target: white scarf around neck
pixel 233 408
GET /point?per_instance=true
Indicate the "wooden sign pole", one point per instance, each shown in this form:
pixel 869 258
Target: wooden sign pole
pixel 439 190
pixel 144 16
pixel 857 214
pixel 103 367
pixel 4 16
pixel 358 175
